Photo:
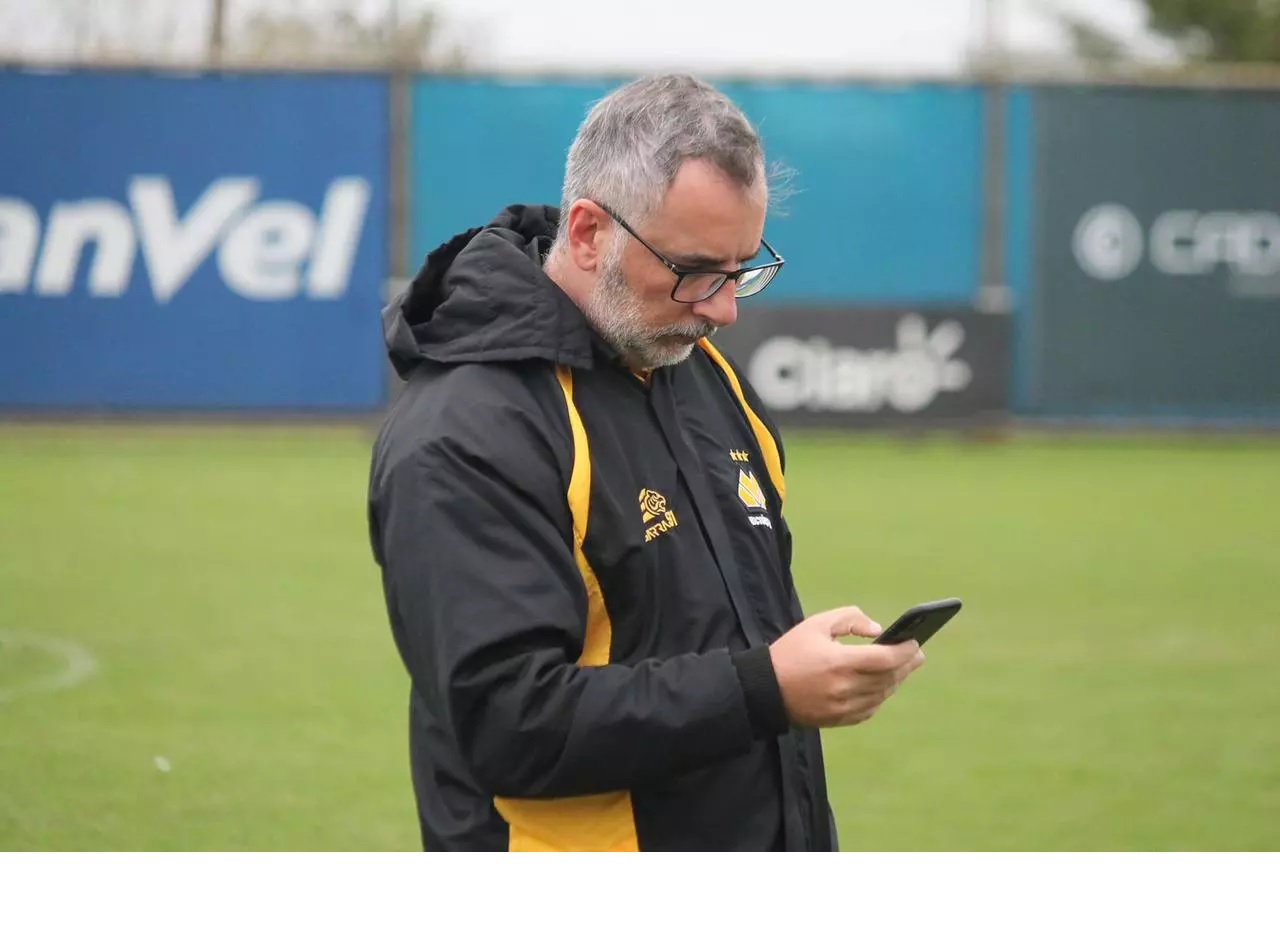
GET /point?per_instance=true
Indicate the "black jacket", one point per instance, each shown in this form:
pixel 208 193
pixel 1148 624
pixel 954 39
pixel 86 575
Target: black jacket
pixel 582 572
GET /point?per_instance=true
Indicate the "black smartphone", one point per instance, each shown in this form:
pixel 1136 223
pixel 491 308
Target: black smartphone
pixel 920 622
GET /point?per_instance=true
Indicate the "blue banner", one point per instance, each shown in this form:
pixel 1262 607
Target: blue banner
pixel 201 242
pixel 887 203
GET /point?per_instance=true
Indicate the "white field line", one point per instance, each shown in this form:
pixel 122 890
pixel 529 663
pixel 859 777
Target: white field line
pixel 77 664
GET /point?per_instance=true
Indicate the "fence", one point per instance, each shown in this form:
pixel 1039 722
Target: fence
pixel 221 241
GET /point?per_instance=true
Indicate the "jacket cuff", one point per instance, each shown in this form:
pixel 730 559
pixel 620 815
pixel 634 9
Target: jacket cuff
pixel 765 710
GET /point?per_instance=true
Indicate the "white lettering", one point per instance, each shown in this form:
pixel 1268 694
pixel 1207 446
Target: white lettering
pixel 341 221
pixel 1259 244
pixel 790 373
pixel 269 252
pixel 19 239
pixel 1184 242
pixel 775 372
pixel 262 257
pixel 71 226
pixel 173 249
pixel 1216 240
pixel 1173 241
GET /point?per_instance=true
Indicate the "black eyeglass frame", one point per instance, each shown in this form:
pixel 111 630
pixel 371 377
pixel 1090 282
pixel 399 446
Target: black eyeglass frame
pixel 683 271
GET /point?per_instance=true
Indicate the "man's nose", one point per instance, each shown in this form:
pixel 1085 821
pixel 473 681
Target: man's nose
pixel 720 308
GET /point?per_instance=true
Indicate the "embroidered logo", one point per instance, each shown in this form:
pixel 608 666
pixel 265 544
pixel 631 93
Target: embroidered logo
pixel 657 517
pixel 752 497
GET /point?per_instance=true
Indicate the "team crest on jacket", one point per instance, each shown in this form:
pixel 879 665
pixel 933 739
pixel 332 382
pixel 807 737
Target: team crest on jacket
pixel 752 498
pixel 657 517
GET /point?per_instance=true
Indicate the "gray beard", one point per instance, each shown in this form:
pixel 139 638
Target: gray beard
pixel 618 315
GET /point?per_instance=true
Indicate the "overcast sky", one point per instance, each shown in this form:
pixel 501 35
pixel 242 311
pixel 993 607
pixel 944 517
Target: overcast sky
pixel 768 35
pixel 792 36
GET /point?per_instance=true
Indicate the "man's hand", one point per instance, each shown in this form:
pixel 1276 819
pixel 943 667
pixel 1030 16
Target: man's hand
pixel 829 684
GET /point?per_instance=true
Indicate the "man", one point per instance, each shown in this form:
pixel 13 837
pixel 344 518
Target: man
pixel 577 505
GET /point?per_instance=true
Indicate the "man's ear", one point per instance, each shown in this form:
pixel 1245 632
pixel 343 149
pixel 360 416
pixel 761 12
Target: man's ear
pixel 588 233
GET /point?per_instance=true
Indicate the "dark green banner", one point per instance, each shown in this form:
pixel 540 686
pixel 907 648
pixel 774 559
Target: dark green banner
pixel 1157 254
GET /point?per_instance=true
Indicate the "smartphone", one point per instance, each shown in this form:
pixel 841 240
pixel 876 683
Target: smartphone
pixel 921 622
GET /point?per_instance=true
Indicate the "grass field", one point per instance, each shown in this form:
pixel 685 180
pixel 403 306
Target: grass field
pixel 1111 683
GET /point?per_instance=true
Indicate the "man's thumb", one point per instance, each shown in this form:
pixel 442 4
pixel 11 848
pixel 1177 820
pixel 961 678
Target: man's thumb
pixel 851 622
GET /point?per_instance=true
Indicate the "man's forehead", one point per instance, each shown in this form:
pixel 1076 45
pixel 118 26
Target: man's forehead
pixel 710 224
pixel 698 180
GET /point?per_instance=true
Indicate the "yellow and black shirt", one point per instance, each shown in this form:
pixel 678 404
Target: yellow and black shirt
pixel 583 571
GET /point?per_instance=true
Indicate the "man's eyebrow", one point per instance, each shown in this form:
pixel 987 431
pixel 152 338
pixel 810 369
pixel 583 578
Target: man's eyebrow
pixel 697 260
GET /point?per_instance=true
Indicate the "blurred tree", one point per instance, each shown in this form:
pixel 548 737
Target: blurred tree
pixel 217 30
pixel 1092 45
pixel 1090 41
pixel 111 29
pixel 366 33
pixel 340 34
pixel 1220 30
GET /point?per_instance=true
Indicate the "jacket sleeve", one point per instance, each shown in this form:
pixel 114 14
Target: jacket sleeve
pixel 475 539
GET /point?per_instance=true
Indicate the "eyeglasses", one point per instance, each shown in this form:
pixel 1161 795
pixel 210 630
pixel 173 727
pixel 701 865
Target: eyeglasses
pixel 694 285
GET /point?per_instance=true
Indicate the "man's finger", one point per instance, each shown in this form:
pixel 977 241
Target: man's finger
pixel 851 622
pixel 877 657
pixel 873 683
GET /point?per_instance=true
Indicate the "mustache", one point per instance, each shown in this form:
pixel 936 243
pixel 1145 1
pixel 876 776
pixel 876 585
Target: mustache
pixel 700 329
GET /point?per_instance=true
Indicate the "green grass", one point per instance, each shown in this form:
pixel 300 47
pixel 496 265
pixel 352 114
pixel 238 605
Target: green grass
pixel 1109 685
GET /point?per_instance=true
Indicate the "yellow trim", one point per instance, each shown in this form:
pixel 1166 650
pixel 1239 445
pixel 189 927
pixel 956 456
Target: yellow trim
pixel 588 822
pixel 599 640
pixel 768 446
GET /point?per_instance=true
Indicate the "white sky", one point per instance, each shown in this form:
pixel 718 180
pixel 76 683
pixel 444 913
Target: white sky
pixel 894 36
pixel 755 36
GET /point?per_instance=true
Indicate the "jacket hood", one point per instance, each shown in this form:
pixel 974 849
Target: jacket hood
pixel 483 296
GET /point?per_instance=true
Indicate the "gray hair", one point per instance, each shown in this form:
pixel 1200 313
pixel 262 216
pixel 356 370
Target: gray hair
pixel 633 142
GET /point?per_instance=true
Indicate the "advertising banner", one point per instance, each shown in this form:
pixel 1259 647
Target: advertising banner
pixel 841 367
pixel 192 242
pixel 1157 254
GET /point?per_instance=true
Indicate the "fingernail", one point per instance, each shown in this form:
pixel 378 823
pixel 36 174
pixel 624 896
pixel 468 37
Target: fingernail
pixel 876 628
